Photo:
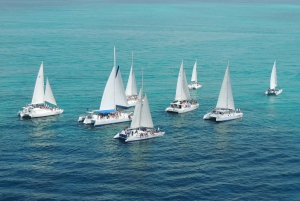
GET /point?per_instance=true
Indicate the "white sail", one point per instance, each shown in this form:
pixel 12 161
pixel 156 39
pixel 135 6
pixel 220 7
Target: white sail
pixel 38 94
pixel 120 96
pixel 194 74
pixel 49 97
pixel 225 99
pixel 136 119
pixel 273 80
pixel 146 118
pixel 182 90
pixel 108 97
pixel 131 88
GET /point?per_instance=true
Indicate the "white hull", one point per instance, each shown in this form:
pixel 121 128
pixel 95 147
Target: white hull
pixel 223 115
pixel 182 108
pixel 81 118
pixel 275 92
pixel 105 121
pixel 137 135
pixel 89 119
pixel 194 86
pixel 39 112
pixel 131 102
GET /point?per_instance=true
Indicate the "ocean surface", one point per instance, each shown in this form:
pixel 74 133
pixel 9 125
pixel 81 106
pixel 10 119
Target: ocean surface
pixel 57 158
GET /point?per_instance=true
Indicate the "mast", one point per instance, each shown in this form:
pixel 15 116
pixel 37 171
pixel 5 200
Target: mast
pixel 115 66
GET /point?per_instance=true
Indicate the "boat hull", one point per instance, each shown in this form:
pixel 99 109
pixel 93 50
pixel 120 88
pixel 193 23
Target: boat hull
pixel 123 117
pixel 131 103
pixel 275 92
pixel 194 86
pixel 222 117
pixel 138 135
pixel 182 109
pixel 39 112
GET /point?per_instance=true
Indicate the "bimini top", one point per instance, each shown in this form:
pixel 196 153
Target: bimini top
pixel 106 111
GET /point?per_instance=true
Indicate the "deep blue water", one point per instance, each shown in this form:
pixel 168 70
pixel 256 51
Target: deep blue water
pixel 254 158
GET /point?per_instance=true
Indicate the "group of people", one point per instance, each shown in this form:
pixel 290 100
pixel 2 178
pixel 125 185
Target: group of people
pixel 110 115
pixel 45 106
pixel 145 132
pixel 132 97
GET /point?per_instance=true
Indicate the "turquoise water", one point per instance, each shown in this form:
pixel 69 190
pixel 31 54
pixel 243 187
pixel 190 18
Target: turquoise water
pixel 254 158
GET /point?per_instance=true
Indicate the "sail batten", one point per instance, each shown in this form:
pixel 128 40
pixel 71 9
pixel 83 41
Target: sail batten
pixel 38 93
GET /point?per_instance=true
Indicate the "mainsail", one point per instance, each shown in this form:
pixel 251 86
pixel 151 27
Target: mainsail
pixel 182 90
pixel 194 74
pixel 38 94
pixel 225 99
pixel 136 119
pixel 273 80
pixel 114 93
pixel 131 88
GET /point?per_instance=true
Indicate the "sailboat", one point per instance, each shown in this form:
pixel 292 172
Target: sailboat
pixel 131 89
pixel 113 96
pixel 194 82
pixel 273 83
pixel 182 102
pixel 39 106
pixel 225 109
pixel 141 127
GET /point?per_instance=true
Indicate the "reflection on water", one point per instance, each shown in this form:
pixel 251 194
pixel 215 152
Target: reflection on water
pixel 223 131
pixel 42 142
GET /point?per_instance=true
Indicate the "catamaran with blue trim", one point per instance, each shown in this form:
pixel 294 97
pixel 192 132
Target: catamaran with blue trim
pixel 113 96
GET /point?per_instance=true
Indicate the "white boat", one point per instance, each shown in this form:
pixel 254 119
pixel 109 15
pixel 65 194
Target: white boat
pixel 273 83
pixel 141 127
pixel 225 109
pixel 39 106
pixel 194 82
pixel 131 89
pixel 113 96
pixel 182 102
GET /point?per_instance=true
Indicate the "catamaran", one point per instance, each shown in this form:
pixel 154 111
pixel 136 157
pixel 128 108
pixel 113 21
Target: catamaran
pixel 225 109
pixel 39 106
pixel 131 89
pixel 194 82
pixel 141 127
pixel 182 102
pixel 273 83
pixel 113 96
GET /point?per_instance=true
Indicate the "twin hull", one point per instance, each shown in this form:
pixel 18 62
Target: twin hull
pixel 223 117
pixel 182 109
pixel 38 112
